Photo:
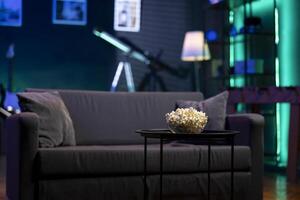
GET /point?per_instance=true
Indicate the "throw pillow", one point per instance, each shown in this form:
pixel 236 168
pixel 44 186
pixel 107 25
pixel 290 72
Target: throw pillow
pixel 214 107
pixel 55 124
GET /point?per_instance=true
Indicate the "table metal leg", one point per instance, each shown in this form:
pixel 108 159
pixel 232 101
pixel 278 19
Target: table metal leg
pixel 208 170
pixel 232 167
pixel 145 169
pixel 161 168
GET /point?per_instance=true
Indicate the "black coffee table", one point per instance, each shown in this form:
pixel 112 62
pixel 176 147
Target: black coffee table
pixel 210 137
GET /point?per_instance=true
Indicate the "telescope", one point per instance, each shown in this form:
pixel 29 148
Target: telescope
pixel 121 45
pixel 132 51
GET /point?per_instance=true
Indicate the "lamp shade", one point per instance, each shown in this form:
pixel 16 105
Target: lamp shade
pixel 194 47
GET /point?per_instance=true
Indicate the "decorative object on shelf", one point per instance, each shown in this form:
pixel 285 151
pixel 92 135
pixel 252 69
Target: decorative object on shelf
pixel 217 68
pixel 211 35
pixel 254 66
pixel 186 120
pixel 127 15
pixel 252 25
pixel 10 12
pixel 69 12
pixel 233 31
pixel 195 49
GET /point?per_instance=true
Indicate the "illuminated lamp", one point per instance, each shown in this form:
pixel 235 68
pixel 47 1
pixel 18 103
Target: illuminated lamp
pixel 195 49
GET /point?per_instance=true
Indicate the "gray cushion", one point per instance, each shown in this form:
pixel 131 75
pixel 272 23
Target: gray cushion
pixel 112 118
pixel 55 125
pixel 128 159
pixel 214 107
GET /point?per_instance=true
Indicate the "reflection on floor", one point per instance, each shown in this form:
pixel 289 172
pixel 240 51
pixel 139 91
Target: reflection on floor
pixel 277 188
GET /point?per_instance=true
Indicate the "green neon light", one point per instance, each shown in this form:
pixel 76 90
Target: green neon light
pixel 236 17
pixel 262 6
pixel 239 81
pixel 277 74
pixel 277 82
pixel 232 82
pixel 283 139
pixel 231 17
pixel 288 57
pixel 285 17
pixel 276 26
pixel 278 130
pixel 231 59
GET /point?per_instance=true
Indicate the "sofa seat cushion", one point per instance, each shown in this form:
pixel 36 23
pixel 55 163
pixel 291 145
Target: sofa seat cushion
pixel 129 159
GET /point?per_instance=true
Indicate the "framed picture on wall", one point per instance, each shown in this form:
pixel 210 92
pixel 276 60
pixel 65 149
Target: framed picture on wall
pixel 70 12
pixel 127 15
pixel 10 12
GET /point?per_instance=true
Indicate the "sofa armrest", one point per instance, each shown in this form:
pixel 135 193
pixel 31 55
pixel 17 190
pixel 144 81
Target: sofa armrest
pixel 22 145
pixel 251 127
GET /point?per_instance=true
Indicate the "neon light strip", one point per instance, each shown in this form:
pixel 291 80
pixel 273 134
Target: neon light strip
pixel 277 70
pixel 277 76
pixel 277 82
pixel 276 26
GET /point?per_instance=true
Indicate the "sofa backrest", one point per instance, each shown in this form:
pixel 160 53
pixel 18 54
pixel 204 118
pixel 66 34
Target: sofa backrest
pixel 112 118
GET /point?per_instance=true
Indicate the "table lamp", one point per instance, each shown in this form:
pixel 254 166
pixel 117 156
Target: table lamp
pixel 195 49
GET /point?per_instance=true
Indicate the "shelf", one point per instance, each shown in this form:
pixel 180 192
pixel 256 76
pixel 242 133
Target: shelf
pixel 257 34
pixel 223 5
pixel 218 42
pixel 248 43
pixel 229 4
pixel 238 38
pixel 238 3
pixel 254 75
pixel 262 75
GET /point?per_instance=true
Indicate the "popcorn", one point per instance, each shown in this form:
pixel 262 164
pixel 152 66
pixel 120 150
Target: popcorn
pixel 187 120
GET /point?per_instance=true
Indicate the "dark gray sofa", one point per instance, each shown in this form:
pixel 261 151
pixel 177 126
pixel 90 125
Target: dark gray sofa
pixel 107 162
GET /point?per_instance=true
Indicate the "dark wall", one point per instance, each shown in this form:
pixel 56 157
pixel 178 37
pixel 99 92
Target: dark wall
pixel 163 27
pixel 59 56
pixel 64 56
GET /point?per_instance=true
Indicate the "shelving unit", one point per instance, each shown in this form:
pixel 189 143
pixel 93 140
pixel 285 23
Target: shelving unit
pixel 258 44
pixel 243 46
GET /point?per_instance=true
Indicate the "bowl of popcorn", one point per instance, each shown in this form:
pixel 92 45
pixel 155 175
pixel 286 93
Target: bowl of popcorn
pixel 186 120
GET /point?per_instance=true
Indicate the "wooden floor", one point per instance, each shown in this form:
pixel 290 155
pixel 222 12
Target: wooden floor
pixel 275 188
